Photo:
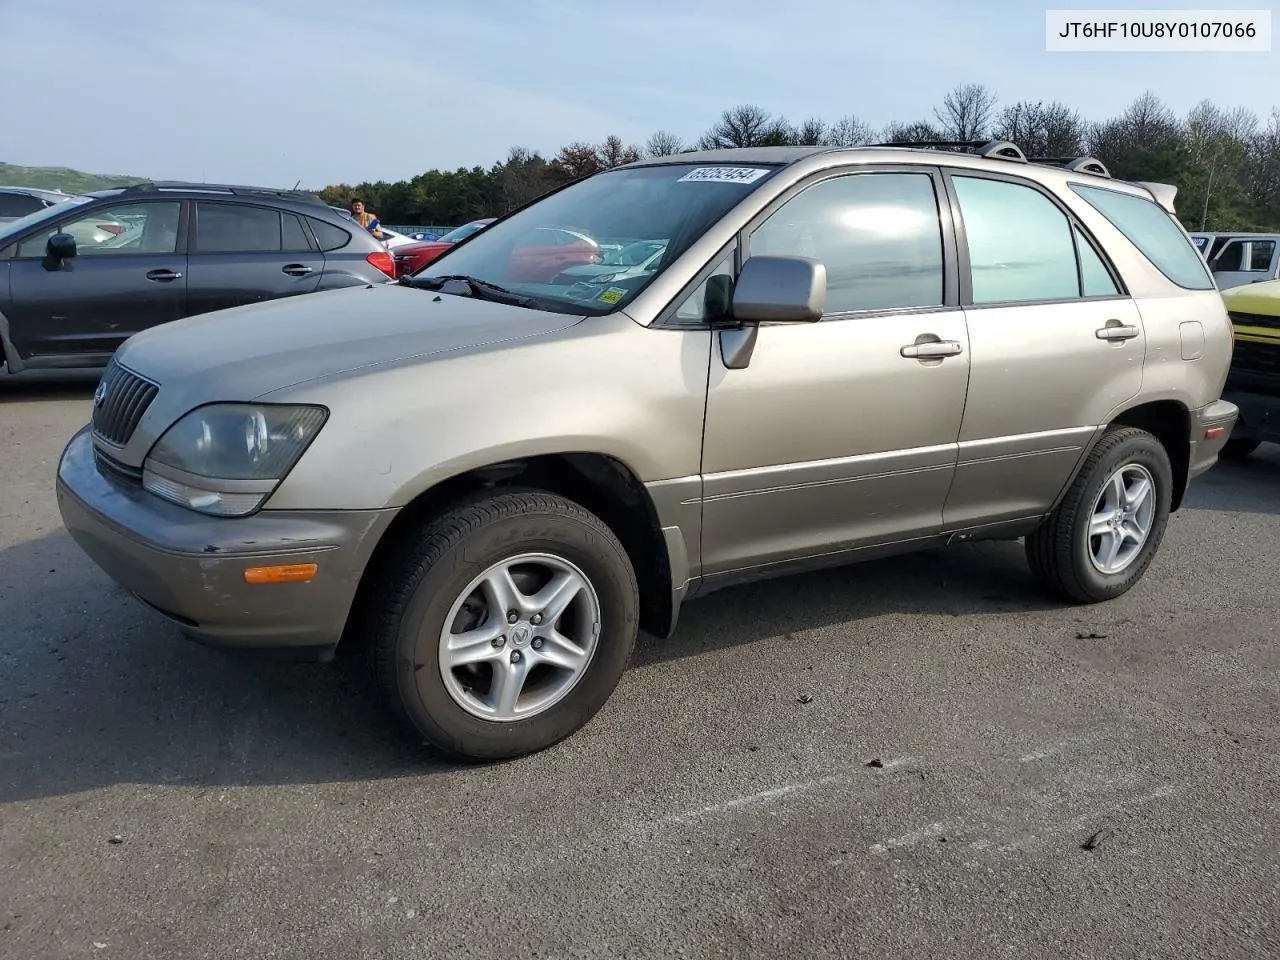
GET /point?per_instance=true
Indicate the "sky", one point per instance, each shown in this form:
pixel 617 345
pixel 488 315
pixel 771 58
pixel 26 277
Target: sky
pixel 326 91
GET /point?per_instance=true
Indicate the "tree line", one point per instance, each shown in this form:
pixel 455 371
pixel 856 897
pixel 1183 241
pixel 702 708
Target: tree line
pixel 1225 162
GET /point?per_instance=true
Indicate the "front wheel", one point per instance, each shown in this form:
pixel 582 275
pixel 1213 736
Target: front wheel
pixel 1100 540
pixel 508 624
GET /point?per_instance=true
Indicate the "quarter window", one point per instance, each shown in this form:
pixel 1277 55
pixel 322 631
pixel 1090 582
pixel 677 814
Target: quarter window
pixel 1149 228
pixel 1020 244
pixel 18 204
pixel 878 235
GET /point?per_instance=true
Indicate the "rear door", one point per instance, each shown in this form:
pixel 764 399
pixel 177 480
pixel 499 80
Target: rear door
pixel 1056 346
pixel 245 253
pixel 129 274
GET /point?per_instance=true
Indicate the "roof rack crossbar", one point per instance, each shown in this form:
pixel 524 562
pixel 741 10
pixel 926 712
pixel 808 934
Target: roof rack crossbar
pixel 1077 165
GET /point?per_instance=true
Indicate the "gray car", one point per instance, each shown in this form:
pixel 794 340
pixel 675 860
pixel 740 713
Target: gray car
pixel 491 485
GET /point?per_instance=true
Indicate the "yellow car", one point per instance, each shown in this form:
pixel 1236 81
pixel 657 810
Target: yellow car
pixel 1254 381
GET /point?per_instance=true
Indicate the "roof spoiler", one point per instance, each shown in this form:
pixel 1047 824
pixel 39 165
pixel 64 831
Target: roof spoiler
pixel 1162 193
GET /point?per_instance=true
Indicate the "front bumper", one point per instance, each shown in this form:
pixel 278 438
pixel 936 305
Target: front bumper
pixel 1259 415
pixel 1211 427
pixel 190 567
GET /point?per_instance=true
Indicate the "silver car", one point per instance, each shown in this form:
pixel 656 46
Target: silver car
pixel 491 484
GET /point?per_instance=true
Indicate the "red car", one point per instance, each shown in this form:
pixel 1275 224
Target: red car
pixel 539 258
pixel 412 257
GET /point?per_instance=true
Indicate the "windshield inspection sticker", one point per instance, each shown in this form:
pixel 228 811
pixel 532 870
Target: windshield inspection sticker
pixel 725 174
pixel 612 295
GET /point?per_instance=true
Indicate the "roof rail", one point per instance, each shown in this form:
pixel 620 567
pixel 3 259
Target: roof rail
pixel 934 144
pixel 999 149
pixel 156 186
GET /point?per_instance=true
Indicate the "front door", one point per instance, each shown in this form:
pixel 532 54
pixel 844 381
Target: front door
pixel 1056 348
pixel 242 253
pixel 1244 261
pixel 842 433
pixel 129 273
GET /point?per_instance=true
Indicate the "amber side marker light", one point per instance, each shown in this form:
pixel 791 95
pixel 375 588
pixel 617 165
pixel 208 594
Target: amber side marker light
pixel 1213 433
pixel 286 573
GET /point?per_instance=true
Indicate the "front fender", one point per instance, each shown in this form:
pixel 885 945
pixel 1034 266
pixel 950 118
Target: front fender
pixel 606 386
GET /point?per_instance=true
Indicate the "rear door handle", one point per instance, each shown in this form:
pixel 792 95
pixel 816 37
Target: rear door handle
pixel 1120 331
pixel 163 276
pixel 297 269
pixel 932 349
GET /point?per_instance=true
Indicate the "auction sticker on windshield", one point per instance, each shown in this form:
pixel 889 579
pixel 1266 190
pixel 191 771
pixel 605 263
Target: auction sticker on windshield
pixel 725 174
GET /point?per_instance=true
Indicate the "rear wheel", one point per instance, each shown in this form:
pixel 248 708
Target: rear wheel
pixel 507 625
pixel 1100 540
pixel 1238 449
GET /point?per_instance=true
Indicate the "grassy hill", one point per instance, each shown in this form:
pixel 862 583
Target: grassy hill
pixel 60 178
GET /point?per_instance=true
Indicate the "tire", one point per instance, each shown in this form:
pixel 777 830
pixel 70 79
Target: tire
pixel 1238 449
pixel 1061 552
pixel 430 581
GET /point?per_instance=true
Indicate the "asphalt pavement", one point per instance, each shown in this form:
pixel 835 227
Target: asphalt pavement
pixel 920 757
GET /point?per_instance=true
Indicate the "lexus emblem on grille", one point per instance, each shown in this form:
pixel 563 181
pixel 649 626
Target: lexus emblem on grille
pixel 100 395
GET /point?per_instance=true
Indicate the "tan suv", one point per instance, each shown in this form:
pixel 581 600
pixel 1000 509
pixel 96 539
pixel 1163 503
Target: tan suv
pixel 493 479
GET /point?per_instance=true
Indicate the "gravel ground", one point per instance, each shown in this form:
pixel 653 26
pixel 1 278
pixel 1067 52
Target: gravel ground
pixel 918 757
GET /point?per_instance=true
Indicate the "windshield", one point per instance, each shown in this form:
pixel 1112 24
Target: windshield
pixel 628 224
pixel 462 232
pixel 15 227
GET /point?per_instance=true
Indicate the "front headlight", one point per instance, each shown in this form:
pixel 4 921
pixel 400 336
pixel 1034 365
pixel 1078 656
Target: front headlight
pixel 226 459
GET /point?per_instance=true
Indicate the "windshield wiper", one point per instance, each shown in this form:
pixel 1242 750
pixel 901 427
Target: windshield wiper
pixel 480 289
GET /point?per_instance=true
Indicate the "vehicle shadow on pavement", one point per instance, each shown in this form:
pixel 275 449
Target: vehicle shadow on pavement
pixel 1240 486
pixel 974 578
pixel 97 690
pixel 45 385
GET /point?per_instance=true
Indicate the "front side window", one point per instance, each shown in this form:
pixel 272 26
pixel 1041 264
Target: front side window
pixel 1149 228
pixel 120 230
pixel 1021 246
pixel 712 298
pixel 1261 253
pixel 535 252
pixel 878 235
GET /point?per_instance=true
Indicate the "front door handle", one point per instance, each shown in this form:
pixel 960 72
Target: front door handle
pixel 1116 331
pixel 932 349
pixel 297 269
pixel 163 276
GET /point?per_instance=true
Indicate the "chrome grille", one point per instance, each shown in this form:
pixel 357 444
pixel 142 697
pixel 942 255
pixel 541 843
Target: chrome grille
pixel 119 403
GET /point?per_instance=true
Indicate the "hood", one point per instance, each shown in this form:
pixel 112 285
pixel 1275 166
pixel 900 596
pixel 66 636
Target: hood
pixel 245 352
pixel 1260 298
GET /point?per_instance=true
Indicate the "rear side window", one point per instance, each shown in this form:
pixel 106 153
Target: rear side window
pixel 329 236
pixel 236 228
pixel 18 204
pixel 1152 231
pixel 1095 278
pixel 295 238
pixel 1021 246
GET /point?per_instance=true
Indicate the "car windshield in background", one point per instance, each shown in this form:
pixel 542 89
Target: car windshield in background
pixel 15 227
pixel 606 224
pixel 461 233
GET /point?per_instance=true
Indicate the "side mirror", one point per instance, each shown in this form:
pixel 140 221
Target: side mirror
pixel 61 246
pixel 780 290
